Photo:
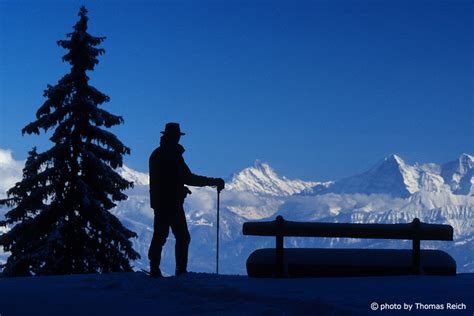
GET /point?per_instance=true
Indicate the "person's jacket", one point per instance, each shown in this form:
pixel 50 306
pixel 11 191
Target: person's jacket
pixel 168 176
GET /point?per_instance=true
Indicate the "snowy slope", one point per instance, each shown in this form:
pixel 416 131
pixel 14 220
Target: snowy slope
pixel 137 177
pixel 207 294
pixel 392 191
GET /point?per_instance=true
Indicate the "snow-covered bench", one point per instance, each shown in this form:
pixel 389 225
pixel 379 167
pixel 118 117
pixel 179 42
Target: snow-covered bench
pixel 307 262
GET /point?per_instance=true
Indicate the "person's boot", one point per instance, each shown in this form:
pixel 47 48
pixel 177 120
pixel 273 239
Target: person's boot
pixel 155 271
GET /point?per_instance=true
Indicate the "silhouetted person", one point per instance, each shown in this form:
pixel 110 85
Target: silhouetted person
pixel 168 176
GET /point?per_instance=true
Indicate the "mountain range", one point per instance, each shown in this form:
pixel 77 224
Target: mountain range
pixel 392 191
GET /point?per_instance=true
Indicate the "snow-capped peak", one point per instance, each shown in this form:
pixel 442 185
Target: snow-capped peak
pixel 410 174
pixel 261 178
pixel 263 168
pixel 459 174
pixel 137 177
pixel 389 176
pixel 466 162
pixel 395 158
pixel 466 156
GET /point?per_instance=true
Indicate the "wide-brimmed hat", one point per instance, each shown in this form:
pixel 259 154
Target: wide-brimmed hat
pixel 173 129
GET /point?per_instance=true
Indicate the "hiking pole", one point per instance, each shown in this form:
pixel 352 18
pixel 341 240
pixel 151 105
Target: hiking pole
pixel 217 246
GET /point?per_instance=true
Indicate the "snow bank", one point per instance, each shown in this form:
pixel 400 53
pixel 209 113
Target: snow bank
pixel 199 293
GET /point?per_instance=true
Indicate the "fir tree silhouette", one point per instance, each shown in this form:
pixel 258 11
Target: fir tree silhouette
pixel 59 217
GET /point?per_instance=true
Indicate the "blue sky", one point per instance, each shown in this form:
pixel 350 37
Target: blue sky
pixel 319 90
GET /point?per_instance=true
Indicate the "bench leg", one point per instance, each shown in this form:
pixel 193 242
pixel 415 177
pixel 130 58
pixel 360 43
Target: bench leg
pixel 279 260
pixel 279 256
pixel 416 264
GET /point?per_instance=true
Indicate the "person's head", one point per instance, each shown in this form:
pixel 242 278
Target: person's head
pixel 172 133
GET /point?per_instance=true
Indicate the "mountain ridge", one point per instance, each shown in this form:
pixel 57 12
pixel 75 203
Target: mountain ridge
pixel 261 178
pixel 259 193
pixel 392 175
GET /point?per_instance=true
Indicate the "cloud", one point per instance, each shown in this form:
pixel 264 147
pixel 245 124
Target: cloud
pixel 331 204
pixel 10 171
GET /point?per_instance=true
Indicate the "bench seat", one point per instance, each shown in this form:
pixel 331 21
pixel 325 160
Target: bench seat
pixel 317 262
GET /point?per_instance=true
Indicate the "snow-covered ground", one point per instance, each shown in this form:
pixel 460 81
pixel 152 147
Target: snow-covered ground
pixel 200 293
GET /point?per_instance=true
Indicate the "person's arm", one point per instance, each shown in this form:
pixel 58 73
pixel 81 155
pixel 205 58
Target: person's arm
pixel 200 181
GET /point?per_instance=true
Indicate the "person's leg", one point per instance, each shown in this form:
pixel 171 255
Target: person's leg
pixel 181 233
pixel 160 234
